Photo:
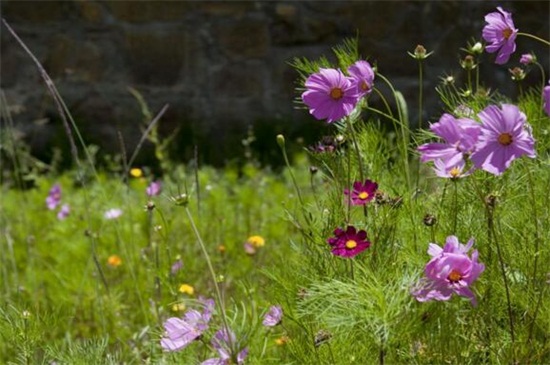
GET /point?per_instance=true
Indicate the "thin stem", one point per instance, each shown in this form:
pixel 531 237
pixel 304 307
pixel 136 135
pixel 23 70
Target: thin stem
pixel 420 97
pixel 212 272
pixel 455 204
pixel 493 234
pixel 534 37
pixel 356 146
pixel 404 131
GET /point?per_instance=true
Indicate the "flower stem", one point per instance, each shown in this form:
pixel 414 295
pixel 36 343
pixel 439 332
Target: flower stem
pixel 534 37
pixel 219 297
pixel 494 240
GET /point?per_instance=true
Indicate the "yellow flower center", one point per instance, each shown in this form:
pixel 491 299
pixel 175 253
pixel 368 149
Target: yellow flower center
pixel 364 86
pixel 363 195
pixel 506 33
pixel 351 244
pixel 454 172
pixel 454 276
pixel 505 139
pixel 336 93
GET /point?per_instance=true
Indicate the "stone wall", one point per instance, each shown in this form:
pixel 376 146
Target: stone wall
pixel 222 66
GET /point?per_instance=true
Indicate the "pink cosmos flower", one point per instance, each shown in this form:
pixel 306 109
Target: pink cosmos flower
pixel 274 316
pixel 181 332
pixel 455 172
pixel 154 188
pixel 527 59
pixel 330 95
pixel 504 137
pixel 500 31
pixel 459 136
pixel 63 212
pixel 362 193
pixel 54 197
pixel 449 271
pixel 223 341
pixel 362 76
pixel 546 96
pixel 176 266
pixel 348 243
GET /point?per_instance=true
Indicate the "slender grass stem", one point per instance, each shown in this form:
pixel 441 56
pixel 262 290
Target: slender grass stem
pixel 219 301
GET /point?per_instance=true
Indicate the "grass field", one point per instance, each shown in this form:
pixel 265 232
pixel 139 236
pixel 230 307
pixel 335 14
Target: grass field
pixel 100 266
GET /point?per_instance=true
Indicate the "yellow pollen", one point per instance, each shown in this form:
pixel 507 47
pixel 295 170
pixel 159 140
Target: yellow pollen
pixel 454 276
pixel 336 93
pixel 351 244
pixel 364 86
pixel 363 195
pixel 506 33
pixel 505 139
pixel 454 172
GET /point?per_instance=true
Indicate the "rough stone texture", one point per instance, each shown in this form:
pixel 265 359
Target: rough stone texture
pixel 222 66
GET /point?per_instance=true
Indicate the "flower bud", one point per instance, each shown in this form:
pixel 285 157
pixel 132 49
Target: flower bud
pixel 281 140
pixel 468 63
pixel 517 73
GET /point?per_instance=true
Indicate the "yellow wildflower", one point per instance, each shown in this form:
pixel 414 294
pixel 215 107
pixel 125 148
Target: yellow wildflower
pixel 256 241
pixel 187 289
pixel 114 261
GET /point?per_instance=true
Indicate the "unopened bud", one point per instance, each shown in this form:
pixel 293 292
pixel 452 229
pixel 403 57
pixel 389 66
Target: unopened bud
pixel 281 140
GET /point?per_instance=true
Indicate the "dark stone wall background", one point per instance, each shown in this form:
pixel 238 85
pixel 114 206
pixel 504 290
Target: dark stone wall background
pixel 223 65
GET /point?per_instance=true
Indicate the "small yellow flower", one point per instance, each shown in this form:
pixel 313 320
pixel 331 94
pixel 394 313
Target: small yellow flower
pixel 187 289
pixel 221 249
pixel 178 307
pixel 114 261
pixel 283 340
pixel 136 172
pixel 256 241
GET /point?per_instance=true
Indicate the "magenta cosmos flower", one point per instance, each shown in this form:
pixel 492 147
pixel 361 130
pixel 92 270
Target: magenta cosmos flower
pixel 223 341
pixel 500 31
pixel 348 243
pixel 362 76
pixel 54 197
pixel 362 193
pixel 154 188
pixel 546 96
pixel 330 95
pixel 449 271
pixel 274 316
pixel 459 136
pixel 181 332
pixel 504 137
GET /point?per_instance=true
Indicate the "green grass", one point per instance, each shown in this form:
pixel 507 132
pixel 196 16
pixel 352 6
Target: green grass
pixel 62 301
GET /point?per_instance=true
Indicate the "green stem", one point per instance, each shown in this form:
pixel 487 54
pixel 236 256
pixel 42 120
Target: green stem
pixel 404 131
pixel 534 37
pixel 493 234
pixel 212 273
